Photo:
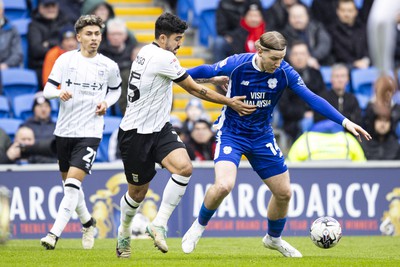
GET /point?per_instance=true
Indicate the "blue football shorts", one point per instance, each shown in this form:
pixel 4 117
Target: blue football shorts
pixel 262 152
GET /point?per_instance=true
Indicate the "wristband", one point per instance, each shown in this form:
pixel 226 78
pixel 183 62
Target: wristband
pixel 344 122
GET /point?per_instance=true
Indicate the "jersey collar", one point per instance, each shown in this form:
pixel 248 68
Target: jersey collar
pixel 253 62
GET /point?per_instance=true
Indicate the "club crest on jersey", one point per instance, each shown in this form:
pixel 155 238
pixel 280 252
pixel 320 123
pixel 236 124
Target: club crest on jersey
pixel 272 83
pixel 300 82
pixel 101 73
pixel 227 150
pixel 135 177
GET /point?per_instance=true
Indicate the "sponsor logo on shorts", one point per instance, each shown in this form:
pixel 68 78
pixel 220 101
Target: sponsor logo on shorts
pixel 135 177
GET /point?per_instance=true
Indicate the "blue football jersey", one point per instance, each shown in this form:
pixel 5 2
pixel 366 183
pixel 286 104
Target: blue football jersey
pixel 261 89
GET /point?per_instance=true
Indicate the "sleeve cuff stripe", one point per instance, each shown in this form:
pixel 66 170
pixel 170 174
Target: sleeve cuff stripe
pixel 184 76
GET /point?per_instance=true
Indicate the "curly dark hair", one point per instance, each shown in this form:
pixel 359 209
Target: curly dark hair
pixel 169 24
pixel 88 20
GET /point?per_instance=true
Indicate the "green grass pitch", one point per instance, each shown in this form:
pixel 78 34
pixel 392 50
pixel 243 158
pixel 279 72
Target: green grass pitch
pixel 351 251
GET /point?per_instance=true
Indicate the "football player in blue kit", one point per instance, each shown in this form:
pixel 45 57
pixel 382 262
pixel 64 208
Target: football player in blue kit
pixel 262 77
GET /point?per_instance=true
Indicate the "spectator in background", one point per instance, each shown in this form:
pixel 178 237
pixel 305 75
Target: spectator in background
pixel 71 9
pixel 43 32
pixel 324 11
pixel 201 143
pixel 384 144
pixel 326 141
pixel 293 109
pixel 168 5
pixel 41 122
pixel 5 143
pixel 385 86
pixel 313 33
pixel 67 42
pixel 23 137
pixel 252 26
pixel 349 36
pixel 25 149
pixel 339 98
pixel 228 15
pixel 194 112
pixel 106 12
pixel 11 54
pixel 121 48
pixel 397 49
pixel 277 15
pixel 99 8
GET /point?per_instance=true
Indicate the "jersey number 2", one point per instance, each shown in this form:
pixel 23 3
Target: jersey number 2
pixel 89 157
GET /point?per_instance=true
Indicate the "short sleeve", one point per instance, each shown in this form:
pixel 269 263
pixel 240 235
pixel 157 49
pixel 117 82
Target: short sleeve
pixel 114 78
pixel 170 67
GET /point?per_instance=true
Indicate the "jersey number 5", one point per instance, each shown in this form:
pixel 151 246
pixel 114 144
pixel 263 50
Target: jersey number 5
pixel 134 93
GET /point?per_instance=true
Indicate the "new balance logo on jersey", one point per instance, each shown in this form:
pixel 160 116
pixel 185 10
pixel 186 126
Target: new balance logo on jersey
pixel 245 83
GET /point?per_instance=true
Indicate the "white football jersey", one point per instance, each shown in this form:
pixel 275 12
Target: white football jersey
pixel 150 89
pixel 88 79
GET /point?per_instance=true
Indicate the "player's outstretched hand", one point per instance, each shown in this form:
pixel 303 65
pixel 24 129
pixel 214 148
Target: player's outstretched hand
pixel 221 81
pixel 240 107
pixel 101 108
pixel 357 130
pixel 65 95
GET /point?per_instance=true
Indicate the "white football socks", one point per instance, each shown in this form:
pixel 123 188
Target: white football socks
pixel 172 195
pixel 81 208
pixel 128 210
pixel 67 206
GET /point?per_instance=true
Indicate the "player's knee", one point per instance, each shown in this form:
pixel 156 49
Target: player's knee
pixel 185 170
pixel 137 195
pixel 223 189
pixel 284 195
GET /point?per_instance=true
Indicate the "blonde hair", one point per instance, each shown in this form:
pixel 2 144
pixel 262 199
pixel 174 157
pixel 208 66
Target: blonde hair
pixel 271 41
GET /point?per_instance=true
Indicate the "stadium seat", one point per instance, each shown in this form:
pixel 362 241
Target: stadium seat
pixel 55 106
pixel 362 80
pixel 110 124
pixel 326 72
pixel 267 3
pixel 199 6
pixel 22 106
pixel 307 2
pixel 359 3
pixel 22 27
pixel 362 100
pixel 4 107
pixel 15 9
pixel 10 126
pixel 207 28
pixel 18 82
pixel 184 8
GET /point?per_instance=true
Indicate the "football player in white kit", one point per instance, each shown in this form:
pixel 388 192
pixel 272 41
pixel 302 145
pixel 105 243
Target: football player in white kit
pixel 146 136
pixel 89 84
